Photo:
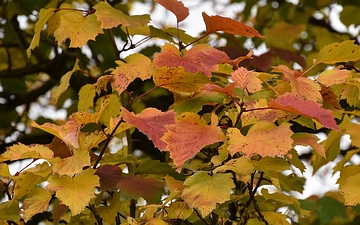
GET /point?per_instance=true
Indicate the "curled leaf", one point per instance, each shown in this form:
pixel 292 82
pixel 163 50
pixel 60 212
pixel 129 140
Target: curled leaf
pixel 228 25
pixel 176 7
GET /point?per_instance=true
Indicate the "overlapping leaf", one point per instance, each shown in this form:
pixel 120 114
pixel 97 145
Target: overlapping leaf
pixel 71 23
pixel 300 85
pixel 21 151
pixel 76 191
pixel 334 76
pixel 306 139
pixel 152 122
pixel 150 189
pixel 201 58
pixel 246 80
pixel 188 136
pixel 178 79
pixel 111 17
pixel 227 25
pixel 262 139
pixel 37 202
pixel 204 192
pixel 295 104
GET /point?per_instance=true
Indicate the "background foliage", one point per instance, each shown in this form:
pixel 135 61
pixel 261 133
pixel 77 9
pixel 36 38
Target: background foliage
pixel 161 127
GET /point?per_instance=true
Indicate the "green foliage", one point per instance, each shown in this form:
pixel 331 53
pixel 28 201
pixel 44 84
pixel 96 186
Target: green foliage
pixel 194 130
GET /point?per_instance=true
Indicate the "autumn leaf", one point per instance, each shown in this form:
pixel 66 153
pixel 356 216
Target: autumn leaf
pixel 86 97
pixel 188 136
pixel 300 85
pixel 64 83
pixel 125 73
pixel 251 116
pixel 262 139
pixel 37 202
pixel 227 25
pixel 339 52
pixel 73 164
pixel 201 58
pixel 75 192
pixel 228 90
pixel 204 192
pixel 295 104
pixel 306 139
pixel 21 151
pixel 111 17
pixel 176 7
pixel 44 15
pixel 152 122
pixel 334 76
pixel 71 23
pixel 148 188
pixel 246 80
pixel 109 177
pixel 350 190
pixel 9 211
pixel 179 80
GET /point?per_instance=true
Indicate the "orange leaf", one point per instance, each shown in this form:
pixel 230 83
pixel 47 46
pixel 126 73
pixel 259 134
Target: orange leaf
pixel 176 7
pixel 306 139
pixel 188 136
pixel 334 76
pixel 151 121
pixel 228 90
pixel 201 58
pixel 262 138
pixel 303 86
pixel 295 104
pixel 246 79
pixel 228 25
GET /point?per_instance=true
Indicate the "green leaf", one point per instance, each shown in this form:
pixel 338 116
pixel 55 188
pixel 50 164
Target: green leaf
pixel 75 192
pixel 86 97
pixel 64 83
pixel 339 52
pixel 9 211
pixel 204 192
pixel 196 103
pixel 44 15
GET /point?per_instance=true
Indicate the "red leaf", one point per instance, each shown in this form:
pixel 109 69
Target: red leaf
pixel 295 104
pixel 227 25
pixel 178 8
pixel 201 58
pixel 151 121
pixel 148 188
pixel 109 177
pixel 228 90
pixel 188 136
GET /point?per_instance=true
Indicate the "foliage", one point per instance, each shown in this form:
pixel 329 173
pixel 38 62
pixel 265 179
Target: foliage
pixel 191 132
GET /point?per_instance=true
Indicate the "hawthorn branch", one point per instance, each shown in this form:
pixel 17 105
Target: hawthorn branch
pixel 91 207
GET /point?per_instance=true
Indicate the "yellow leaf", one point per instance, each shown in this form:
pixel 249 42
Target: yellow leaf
pixel 111 17
pixel 21 151
pixel 334 76
pixel 155 221
pixel 73 164
pixel 339 52
pixel 204 192
pixel 86 97
pixel 350 190
pixel 75 192
pixel 275 218
pixel 136 66
pixel 64 83
pixel 72 24
pixel 283 35
pixel 37 202
pixel 177 79
pixel 262 139
pixel 44 15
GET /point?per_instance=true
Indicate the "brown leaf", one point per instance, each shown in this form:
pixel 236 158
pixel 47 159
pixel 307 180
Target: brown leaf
pixel 148 188
pixel 109 177
pixel 176 7
pixel 228 25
